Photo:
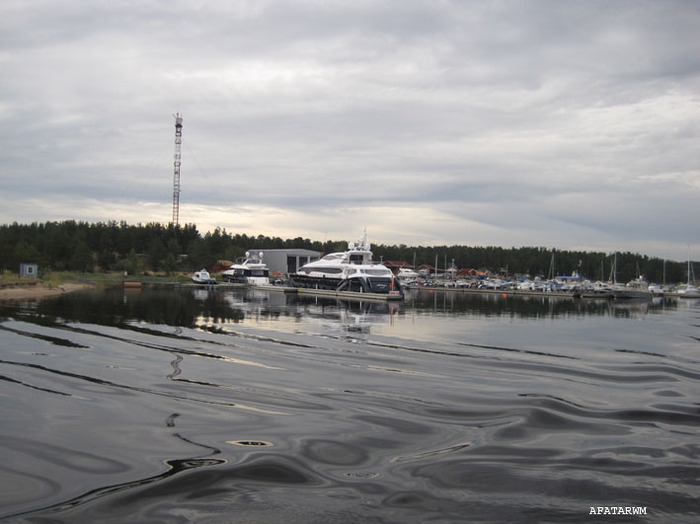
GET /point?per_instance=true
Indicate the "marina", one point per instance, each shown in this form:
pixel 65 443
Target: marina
pixel 195 327
pixel 354 274
pixel 452 287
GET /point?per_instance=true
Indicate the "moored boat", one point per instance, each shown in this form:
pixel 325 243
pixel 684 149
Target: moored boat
pixel 352 270
pixel 656 290
pixel 203 277
pixel 598 289
pixel 637 288
pixel 252 270
pixel 406 274
pixel 688 291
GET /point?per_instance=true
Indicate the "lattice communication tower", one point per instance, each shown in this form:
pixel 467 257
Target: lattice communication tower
pixel 176 175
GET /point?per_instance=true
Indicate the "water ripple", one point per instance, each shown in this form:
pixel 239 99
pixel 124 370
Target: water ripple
pixel 490 420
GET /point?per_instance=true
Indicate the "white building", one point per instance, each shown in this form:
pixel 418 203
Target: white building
pixel 28 270
pixel 286 260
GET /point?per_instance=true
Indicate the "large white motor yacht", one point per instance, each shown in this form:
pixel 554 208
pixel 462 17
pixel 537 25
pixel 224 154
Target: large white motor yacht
pixel 252 271
pixel 351 270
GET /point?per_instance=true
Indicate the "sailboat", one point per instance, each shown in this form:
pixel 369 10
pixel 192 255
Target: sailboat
pixel 689 290
pixel 637 288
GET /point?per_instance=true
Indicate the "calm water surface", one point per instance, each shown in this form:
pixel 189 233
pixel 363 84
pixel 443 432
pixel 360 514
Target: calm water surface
pixel 188 405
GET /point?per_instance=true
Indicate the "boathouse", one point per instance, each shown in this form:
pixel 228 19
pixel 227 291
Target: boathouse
pixel 281 261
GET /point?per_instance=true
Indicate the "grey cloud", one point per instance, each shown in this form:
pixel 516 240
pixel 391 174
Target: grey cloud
pixel 579 116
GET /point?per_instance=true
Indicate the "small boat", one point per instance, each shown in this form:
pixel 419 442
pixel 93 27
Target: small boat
pixel 637 288
pixel 203 277
pixel 349 271
pixel 656 290
pixel 597 289
pixel 252 270
pixel 688 291
pixel 407 274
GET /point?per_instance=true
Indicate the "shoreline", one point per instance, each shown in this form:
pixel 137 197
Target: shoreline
pixel 35 291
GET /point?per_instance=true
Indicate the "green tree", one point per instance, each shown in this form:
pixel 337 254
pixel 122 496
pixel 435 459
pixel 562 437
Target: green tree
pixel 25 253
pixel 170 263
pixel 82 260
pixel 156 254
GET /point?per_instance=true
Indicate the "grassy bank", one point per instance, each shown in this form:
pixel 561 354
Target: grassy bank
pixel 58 278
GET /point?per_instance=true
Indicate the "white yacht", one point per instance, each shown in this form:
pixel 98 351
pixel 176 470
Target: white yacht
pixel 252 270
pixel 688 291
pixel 351 270
pixel 656 290
pixel 407 274
pixel 203 277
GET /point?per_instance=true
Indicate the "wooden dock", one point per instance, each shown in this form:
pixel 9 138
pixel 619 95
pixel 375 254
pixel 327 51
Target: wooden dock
pixel 382 297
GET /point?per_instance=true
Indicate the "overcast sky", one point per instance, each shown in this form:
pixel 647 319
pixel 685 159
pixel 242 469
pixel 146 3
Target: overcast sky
pixel 566 124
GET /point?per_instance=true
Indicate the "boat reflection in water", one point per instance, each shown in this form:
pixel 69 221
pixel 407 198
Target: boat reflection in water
pixel 191 307
pixel 343 317
pixel 526 306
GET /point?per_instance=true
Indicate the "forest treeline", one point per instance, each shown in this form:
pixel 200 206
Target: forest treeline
pixel 118 246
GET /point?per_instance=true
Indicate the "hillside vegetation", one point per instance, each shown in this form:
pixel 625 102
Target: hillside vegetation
pixel 118 246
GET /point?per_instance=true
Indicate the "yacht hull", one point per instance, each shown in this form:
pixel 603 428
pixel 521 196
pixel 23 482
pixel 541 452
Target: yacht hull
pixel 357 284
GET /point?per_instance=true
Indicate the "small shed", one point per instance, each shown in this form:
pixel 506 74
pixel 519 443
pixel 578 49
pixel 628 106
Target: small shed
pixel 28 270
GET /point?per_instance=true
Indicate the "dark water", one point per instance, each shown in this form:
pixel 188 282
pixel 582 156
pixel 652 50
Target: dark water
pixel 182 405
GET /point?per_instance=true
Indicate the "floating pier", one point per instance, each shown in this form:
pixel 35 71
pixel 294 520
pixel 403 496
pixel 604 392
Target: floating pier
pixel 348 294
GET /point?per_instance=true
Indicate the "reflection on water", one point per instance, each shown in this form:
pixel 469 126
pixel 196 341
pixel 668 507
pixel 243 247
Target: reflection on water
pixel 198 405
pixel 528 306
pixel 152 305
pixel 189 306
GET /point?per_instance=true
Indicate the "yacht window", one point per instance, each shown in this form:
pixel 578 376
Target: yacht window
pixel 325 269
pixel 377 272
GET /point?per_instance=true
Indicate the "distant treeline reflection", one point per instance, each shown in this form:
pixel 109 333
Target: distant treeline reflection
pixel 191 307
pixel 153 305
pixel 535 307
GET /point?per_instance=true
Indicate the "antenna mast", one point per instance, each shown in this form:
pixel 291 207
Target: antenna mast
pixel 176 175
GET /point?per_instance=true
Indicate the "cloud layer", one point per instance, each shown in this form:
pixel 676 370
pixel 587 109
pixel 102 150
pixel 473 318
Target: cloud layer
pixel 545 123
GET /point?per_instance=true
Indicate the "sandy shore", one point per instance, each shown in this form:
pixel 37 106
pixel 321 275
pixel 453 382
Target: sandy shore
pixel 37 291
